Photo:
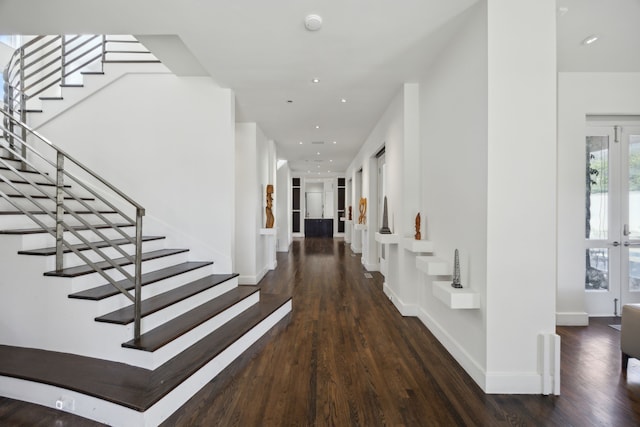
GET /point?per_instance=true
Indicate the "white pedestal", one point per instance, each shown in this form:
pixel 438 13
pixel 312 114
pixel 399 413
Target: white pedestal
pixel 271 236
pixel 387 239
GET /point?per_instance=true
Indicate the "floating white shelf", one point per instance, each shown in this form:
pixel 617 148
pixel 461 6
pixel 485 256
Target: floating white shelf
pixel 387 239
pixel 463 298
pixel 433 266
pixel 417 246
pixel 360 226
pixel 269 231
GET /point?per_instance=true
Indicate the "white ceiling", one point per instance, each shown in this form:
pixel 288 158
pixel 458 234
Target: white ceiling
pixel 364 52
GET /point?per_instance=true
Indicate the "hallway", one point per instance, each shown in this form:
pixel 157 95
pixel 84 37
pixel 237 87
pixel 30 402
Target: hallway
pixel 346 357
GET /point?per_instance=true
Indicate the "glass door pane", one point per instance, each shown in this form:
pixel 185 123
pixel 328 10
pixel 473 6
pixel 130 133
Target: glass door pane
pixel 631 248
pixel 597 188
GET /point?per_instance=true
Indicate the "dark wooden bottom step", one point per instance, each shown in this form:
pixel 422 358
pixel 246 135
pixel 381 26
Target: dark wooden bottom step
pixel 151 305
pixel 175 328
pixel 127 385
pixel 83 247
pixel 108 290
pixel 42 196
pixel 50 230
pixel 81 270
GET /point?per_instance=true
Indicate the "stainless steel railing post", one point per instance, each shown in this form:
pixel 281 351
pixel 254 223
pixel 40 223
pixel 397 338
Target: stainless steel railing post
pixel 138 274
pixel 59 210
pixel 63 56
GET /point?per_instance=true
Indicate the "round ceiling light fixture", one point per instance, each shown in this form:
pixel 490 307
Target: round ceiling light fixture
pixel 313 22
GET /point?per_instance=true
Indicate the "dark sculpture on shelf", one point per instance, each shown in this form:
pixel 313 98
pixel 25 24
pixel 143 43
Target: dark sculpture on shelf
pixel 456 272
pixel 385 220
pixel 350 215
pixel 270 218
pixel 418 236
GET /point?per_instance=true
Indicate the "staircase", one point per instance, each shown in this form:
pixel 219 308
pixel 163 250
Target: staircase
pixel 97 318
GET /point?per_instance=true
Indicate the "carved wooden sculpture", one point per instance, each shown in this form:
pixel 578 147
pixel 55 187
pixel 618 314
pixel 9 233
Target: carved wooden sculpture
pixel 350 216
pixel 270 218
pixel 418 236
pixel 362 219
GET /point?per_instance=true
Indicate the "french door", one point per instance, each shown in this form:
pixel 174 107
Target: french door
pixel 612 226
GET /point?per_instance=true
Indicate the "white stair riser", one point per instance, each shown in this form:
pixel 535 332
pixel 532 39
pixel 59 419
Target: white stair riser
pixel 158 318
pixel 47 204
pixel 44 240
pixel 112 303
pixel 166 352
pixel 26 188
pixel 72 260
pixel 95 279
pixel 19 220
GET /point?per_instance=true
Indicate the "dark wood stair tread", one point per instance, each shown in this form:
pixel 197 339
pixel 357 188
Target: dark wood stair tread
pixel 53 212
pixel 51 98
pixel 126 385
pixel 75 227
pixel 81 270
pixel 108 290
pixel 169 331
pixel 31 171
pixel 45 184
pixel 42 196
pixel 151 305
pixel 83 247
pixel 72 85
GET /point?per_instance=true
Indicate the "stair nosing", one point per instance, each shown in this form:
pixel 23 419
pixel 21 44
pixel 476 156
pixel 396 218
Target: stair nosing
pixel 84 269
pixel 24 231
pixel 204 312
pixel 173 296
pixel 49 251
pixel 147 279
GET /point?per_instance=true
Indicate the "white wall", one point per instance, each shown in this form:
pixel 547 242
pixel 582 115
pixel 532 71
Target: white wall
pixel 453 135
pixel 255 168
pixel 388 132
pixel 133 135
pixel 580 94
pixel 247 203
pixel 284 206
pixel 521 197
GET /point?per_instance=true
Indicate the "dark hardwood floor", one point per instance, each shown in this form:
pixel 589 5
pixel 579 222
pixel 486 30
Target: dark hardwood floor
pixel 345 357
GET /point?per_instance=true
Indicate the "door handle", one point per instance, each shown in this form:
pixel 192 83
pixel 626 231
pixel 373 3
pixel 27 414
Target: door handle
pixel 616 244
pixel 629 244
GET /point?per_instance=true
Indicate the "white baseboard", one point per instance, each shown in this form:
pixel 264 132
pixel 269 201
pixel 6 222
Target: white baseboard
pixel 251 280
pixel 404 308
pixel 458 352
pixel 572 319
pixel 355 250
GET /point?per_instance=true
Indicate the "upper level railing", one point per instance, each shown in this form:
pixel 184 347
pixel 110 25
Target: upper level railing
pixel 44 63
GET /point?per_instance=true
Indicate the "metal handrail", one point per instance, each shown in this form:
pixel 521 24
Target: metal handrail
pixel 16 133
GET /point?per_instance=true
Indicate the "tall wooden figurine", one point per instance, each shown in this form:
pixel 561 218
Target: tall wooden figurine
pixel 270 218
pixel 362 219
pixel 418 236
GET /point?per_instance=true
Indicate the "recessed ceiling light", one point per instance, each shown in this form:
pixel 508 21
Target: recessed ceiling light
pixel 318 166
pixel 335 142
pixel 315 81
pixel 589 40
pixel 343 100
pixel 318 153
pixel 300 142
pixel 330 160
